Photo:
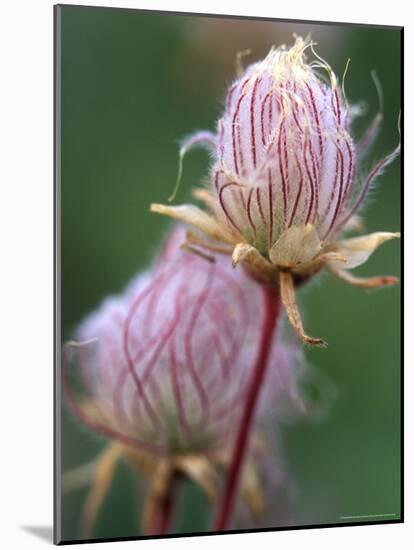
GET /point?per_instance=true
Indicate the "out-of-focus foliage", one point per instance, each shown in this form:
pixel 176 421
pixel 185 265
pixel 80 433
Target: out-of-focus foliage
pixel 133 84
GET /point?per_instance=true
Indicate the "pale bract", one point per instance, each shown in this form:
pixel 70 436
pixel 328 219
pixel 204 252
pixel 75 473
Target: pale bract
pixel 285 180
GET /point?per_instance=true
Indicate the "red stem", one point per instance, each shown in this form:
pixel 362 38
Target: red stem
pixel 272 307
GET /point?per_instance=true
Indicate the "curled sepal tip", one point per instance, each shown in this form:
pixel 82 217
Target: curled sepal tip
pixel 287 294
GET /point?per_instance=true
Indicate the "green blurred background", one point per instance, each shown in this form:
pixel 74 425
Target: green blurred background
pixel 135 83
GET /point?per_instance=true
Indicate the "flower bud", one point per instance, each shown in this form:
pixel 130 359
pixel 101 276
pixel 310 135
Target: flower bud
pixel 286 180
pixel 284 156
pixel 167 365
pixel 163 371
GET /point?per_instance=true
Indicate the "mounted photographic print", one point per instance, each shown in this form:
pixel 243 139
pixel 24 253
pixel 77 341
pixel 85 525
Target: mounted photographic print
pixel 228 196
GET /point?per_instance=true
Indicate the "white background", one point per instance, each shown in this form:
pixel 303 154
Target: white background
pixel 26 280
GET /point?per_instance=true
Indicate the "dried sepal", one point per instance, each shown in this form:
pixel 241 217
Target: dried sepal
pixel 254 262
pixel 192 215
pixel 318 263
pixel 358 249
pixel 295 246
pixel 101 480
pixel 251 489
pixel 252 485
pixel 287 294
pixel 377 281
pixel 200 470
pixel 159 486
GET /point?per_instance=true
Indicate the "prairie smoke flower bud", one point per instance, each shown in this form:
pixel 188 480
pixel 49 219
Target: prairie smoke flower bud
pixel 163 369
pixel 285 180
